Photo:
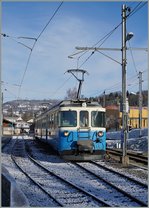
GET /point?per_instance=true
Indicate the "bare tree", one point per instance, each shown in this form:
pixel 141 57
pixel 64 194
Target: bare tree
pixel 71 93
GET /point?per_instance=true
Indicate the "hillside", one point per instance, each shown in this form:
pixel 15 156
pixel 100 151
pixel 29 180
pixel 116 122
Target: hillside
pixel 29 108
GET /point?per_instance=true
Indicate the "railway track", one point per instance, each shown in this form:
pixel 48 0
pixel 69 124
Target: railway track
pixel 145 185
pixel 86 190
pixel 112 190
pixel 63 192
pixel 133 157
pixel 133 189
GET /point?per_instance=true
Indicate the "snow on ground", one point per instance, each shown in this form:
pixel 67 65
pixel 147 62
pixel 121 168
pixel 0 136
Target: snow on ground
pixel 35 196
pixel 134 142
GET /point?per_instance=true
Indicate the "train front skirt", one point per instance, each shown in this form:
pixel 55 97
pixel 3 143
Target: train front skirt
pixel 84 156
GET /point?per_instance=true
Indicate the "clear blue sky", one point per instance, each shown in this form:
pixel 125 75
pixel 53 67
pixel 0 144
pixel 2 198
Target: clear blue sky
pixel 75 24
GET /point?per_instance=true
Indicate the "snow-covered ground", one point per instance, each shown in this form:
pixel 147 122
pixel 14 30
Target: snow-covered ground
pixel 66 170
pixel 134 142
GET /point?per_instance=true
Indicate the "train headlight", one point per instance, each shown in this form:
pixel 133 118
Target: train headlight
pixel 100 133
pixel 66 133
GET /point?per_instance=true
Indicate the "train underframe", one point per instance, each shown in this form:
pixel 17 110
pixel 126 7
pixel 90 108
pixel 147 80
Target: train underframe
pixel 82 151
pixel 71 155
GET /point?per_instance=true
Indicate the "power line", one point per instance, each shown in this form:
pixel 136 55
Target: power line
pixel 131 79
pixel 87 59
pixel 35 41
pixel 50 20
pixel 137 8
pixel 24 72
pixel 61 85
pixel 103 39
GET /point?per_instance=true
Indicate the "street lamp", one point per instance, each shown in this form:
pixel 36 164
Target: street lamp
pixel 129 36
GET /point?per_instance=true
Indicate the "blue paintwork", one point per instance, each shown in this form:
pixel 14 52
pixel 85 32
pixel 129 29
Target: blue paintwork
pixel 61 142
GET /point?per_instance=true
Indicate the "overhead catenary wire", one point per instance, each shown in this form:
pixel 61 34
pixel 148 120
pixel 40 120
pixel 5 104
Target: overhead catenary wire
pixel 103 39
pixel 24 72
pixel 35 41
pixel 50 20
pixel 51 93
pixel 137 8
pixel 130 47
pixel 132 80
pixel 62 85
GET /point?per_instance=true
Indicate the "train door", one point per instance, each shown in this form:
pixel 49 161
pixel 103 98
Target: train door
pixel 83 130
pixel 84 119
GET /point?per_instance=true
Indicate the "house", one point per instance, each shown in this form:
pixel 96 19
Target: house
pixel 8 126
pixel 15 125
pixel 114 117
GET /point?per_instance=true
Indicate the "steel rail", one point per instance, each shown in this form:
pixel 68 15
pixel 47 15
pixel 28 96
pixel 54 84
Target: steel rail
pixel 137 157
pixel 115 187
pixel 13 159
pixel 120 174
pixel 103 203
pixel 61 205
pixel 70 183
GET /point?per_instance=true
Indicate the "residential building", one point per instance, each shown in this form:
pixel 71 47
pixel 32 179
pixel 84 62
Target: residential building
pixel 114 117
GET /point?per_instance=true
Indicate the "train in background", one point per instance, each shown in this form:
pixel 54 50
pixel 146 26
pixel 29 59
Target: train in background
pixel 75 128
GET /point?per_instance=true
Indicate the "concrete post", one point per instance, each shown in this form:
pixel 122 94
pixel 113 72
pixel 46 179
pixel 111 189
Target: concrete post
pixel 125 159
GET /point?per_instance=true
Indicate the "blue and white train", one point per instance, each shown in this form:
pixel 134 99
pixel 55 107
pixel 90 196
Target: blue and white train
pixel 75 128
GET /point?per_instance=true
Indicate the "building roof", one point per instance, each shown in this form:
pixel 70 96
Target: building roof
pixel 112 107
pixel 30 121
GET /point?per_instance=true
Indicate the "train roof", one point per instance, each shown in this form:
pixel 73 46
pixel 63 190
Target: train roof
pixel 78 103
pixel 73 103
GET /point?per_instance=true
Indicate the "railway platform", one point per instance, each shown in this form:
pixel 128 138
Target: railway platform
pixel 12 196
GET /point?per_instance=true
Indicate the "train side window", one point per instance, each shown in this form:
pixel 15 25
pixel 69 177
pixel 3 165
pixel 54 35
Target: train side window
pixel 84 122
pixel 55 120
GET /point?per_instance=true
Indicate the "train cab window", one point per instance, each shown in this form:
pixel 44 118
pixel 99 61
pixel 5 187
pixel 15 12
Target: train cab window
pixel 97 119
pixel 68 118
pixel 84 119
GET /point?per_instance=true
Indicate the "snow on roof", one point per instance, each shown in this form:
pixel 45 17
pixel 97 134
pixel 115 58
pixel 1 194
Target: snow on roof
pixel 19 119
pixel 30 121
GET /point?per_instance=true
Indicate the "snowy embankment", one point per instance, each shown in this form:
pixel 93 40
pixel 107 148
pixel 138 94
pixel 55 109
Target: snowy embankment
pixel 134 142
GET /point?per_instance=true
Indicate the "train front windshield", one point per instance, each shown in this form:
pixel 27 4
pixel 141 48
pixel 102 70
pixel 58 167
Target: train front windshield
pixel 68 118
pixel 98 119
